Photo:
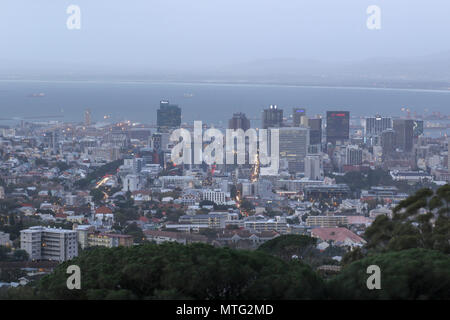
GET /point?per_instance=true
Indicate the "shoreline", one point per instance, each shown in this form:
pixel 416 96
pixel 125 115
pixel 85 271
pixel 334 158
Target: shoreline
pixel 227 83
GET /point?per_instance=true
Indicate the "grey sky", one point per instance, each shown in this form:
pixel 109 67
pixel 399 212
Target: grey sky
pixel 171 34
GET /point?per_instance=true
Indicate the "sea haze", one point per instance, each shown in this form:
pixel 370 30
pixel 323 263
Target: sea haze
pixel 212 103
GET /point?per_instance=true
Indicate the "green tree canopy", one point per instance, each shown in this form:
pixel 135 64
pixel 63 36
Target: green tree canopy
pixel 407 274
pixel 420 221
pixel 176 271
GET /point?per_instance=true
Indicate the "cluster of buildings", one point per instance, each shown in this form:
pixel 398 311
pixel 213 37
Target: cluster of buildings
pixel 77 177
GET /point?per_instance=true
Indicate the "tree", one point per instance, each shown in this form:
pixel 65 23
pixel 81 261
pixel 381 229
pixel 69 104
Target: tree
pixel 97 195
pixel 62 166
pixel 21 255
pixel 420 221
pixel 407 274
pixel 136 232
pixel 247 205
pixel 175 271
pixel 4 253
pixel 287 246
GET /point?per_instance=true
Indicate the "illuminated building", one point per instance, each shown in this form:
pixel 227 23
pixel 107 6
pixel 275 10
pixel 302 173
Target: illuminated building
pixel 49 243
pixel 338 126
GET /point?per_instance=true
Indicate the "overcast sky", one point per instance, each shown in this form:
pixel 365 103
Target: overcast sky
pixel 174 34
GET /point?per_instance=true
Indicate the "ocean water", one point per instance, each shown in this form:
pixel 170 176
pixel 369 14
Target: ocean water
pixel 212 103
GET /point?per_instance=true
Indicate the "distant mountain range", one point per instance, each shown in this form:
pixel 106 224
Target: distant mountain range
pixel 431 71
pixel 426 72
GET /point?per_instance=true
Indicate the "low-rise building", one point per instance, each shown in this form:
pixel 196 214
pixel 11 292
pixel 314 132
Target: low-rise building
pixel 4 239
pixel 49 243
pixel 109 240
pixel 279 225
pixel 411 176
pixel 169 236
pixel 338 236
pixel 326 221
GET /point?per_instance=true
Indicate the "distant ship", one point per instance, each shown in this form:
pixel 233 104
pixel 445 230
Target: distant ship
pixel 188 95
pixel 36 95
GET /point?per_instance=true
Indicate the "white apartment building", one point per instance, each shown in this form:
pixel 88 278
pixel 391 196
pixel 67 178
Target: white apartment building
pixel 326 221
pixel 177 181
pixel 216 196
pixel 43 243
pixel 279 225
pixel 353 155
pixel 132 182
pixel 314 167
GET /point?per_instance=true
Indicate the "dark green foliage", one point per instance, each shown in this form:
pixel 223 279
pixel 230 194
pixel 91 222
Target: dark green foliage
pixel 301 246
pixel 20 255
pixel 358 181
pixel 4 251
pixel 41 162
pixel 182 272
pixel 17 255
pixel 352 256
pixel 247 205
pixel 97 195
pixel 126 214
pixel 62 166
pixel 136 232
pixel 286 246
pixel 408 274
pixel 420 221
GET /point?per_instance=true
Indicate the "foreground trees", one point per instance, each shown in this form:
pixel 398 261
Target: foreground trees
pixel 176 271
pixel 420 221
pixel 411 250
pixel 301 247
pixel 407 274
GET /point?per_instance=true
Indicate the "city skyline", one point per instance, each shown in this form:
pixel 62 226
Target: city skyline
pixel 210 152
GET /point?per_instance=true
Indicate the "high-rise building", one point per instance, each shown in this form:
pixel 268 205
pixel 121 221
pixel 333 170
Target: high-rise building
pixel 51 139
pixel 314 167
pixel 338 126
pixel 376 125
pixel 272 117
pixel 315 131
pixel 387 142
pixel 168 116
pixel 49 243
pixel 239 121
pixel 158 145
pixel 157 141
pixel 293 146
pixel 299 117
pixel 87 117
pixel 404 134
pixel 353 155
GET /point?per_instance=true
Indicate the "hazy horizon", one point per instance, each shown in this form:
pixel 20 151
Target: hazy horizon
pixel 181 36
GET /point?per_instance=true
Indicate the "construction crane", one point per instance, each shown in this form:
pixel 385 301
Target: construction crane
pixel 408 112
